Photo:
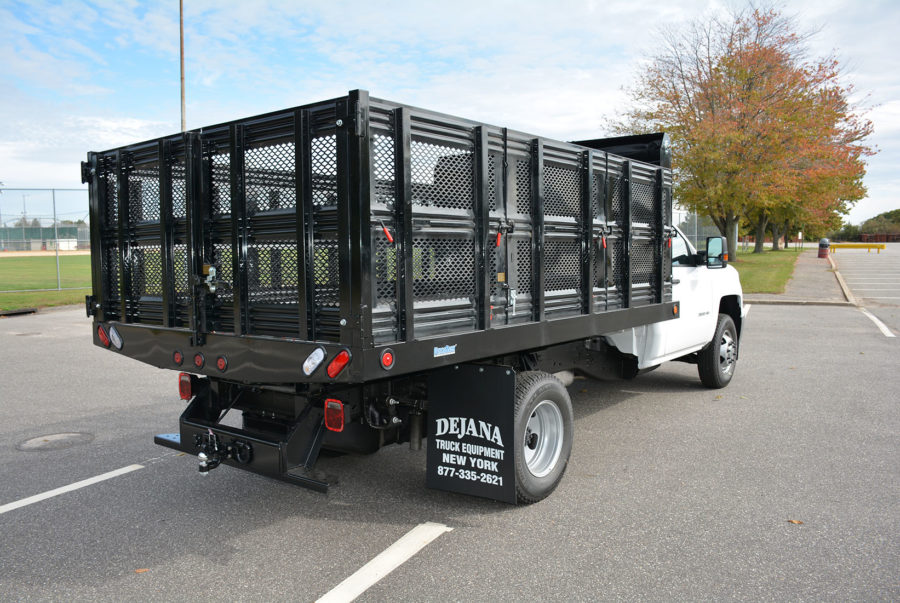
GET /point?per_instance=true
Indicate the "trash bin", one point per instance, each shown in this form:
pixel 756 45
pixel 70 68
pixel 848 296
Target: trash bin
pixel 823 248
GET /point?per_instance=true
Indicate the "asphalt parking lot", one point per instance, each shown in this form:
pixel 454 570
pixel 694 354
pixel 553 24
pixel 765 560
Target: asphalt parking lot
pixel 674 492
pixel 874 279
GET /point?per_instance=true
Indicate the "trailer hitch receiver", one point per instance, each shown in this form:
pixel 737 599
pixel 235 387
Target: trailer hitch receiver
pixel 213 451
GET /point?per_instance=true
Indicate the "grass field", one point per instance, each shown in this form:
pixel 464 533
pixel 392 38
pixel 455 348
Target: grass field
pixel 766 272
pixel 39 272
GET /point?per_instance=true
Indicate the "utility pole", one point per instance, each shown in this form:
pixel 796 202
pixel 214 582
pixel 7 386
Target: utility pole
pixel 181 35
pixel 24 220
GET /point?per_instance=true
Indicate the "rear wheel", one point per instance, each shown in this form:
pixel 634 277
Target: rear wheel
pixel 716 362
pixel 543 434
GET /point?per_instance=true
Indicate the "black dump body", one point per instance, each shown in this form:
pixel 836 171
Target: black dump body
pixel 359 224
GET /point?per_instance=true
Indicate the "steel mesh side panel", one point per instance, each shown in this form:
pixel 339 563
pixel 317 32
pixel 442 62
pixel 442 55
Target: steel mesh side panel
pixel 494 170
pixel 642 202
pixel 562 264
pixel 143 193
pixel 224 300
pixel 326 277
pixel 323 158
pixel 110 185
pixel 523 186
pixel 112 276
pixel 179 187
pixel 182 284
pixel 562 191
pixel 614 270
pixel 597 209
pixel 145 296
pixel 385 260
pixel 617 198
pixel 269 176
pixel 442 176
pixel 221 183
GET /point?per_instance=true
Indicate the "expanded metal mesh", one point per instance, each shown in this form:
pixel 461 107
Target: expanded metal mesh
pixel 112 274
pixel 642 262
pixel 523 186
pixel 523 266
pixel 562 265
pixel 179 188
pixel 181 261
pixel 323 160
pixel 326 276
pixel 269 176
pixel 443 269
pixel 143 193
pixel 642 202
pixel 221 184
pixel 146 271
pixel 110 185
pixel 442 176
pixel 223 261
pixel 617 199
pixel 386 267
pixel 383 170
pixel 598 211
pixel 493 171
pixel 272 272
pixel 562 191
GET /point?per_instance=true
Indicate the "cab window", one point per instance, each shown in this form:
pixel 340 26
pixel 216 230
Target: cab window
pixel 681 254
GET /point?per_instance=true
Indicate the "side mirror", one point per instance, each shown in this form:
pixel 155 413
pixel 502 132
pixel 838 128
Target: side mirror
pixel 716 252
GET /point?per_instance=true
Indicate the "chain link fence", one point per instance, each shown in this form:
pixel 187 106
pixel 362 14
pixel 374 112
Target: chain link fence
pixel 694 226
pixel 45 241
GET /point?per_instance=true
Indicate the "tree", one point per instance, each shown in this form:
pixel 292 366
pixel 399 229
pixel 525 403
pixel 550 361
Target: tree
pixel 757 130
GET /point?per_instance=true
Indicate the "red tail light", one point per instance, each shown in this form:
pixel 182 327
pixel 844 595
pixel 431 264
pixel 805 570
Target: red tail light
pixel 334 415
pixel 338 363
pixel 104 338
pixel 387 358
pixel 199 360
pixel 184 386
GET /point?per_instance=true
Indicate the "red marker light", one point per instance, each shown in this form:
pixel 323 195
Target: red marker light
pixel 199 360
pixel 104 338
pixel 221 363
pixel 184 386
pixel 334 415
pixel 338 363
pixel 178 358
pixel 387 359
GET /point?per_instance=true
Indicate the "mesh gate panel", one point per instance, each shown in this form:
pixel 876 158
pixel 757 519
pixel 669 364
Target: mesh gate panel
pixel 323 158
pixel 146 271
pixel 221 184
pixel 523 186
pixel 642 202
pixel 143 193
pixel 562 191
pixel 272 272
pixel 383 168
pixel 269 174
pixel 443 268
pixel 442 176
pixel 111 191
pixel 562 265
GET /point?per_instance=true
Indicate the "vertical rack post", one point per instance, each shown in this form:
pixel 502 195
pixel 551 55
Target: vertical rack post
pixel 403 180
pixel 482 228
pixel 166 234
pixel 537 226
pixel 587 232
pixel 239 227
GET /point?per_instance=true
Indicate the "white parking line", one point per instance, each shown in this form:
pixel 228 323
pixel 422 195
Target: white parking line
pixel 77 485
pixel 881 326
pixel 390 559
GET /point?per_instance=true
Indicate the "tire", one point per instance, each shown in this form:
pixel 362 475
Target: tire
pixel 717 361
pixel 543 434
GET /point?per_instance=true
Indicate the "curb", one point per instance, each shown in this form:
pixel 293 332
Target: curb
pixel 796 302
pixel 843 285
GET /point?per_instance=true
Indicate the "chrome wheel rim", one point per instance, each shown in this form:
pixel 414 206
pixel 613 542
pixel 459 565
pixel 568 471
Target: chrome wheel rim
pixel 543 439
pixel 727 353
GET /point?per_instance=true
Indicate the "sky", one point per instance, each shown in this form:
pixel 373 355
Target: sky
pixel 79 76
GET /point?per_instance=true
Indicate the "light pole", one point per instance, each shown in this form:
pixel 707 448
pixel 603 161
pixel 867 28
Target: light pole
pixel 24 220
pixel 181 36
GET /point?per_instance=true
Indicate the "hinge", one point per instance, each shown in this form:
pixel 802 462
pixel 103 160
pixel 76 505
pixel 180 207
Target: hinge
pixel 90 305
pixel 359 119
pixel 87 172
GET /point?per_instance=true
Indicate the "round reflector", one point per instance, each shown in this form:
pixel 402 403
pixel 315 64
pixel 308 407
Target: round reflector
pixel 199 360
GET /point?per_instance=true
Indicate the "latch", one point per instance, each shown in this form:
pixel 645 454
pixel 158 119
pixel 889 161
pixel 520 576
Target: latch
pixel 209 271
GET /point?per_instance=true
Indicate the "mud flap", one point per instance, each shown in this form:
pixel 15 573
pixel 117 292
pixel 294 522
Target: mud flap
pixel 471 410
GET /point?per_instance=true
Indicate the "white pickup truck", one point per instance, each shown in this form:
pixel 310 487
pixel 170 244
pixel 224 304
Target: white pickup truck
pixel 711 319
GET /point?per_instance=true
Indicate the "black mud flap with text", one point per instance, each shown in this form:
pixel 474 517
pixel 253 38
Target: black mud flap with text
pixel 471 410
